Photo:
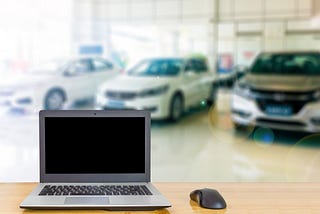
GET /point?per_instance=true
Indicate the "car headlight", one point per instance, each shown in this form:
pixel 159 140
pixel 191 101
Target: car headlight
pixel 25 100
pixel 9 91
pixel 242 89
pixel 12 90
pixel 154 91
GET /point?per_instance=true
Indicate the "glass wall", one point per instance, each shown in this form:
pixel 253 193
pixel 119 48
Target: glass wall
pixel 228 124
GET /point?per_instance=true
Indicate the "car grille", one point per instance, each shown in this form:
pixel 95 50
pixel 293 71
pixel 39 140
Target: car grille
pixel 283 96
pixel 116 95
pixel 263 121
pixel 296 100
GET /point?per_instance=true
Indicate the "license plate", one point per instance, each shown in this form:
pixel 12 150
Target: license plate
pixel 280 110
pixel 115 104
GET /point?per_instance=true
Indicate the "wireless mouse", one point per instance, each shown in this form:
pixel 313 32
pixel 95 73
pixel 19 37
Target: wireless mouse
pixel 208 198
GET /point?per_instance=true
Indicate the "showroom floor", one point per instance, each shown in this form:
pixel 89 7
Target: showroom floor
pixel 202 146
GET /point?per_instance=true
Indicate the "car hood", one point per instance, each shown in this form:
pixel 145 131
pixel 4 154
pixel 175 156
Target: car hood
pixel 16 82
pixel 135 83
pixel 282 82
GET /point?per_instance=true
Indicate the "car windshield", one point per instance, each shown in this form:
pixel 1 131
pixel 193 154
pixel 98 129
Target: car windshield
pixel 292 64
pixel 157 67
pixel 49 67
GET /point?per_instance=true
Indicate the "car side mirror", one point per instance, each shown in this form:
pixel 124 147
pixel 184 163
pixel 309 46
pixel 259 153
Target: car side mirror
pixel 243 71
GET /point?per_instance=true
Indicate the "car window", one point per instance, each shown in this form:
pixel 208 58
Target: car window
pixel 190 66
pixel 196 65
pixel 101 65
pixel 294 64
pixel 80 67
pixel 200 65
pixel 50 67
pixel 157 67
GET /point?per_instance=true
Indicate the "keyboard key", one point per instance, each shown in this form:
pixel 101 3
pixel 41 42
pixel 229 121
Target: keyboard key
pixel 95 190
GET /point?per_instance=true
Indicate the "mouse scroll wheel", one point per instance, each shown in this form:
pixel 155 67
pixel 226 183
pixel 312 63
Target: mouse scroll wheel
pixel 199 195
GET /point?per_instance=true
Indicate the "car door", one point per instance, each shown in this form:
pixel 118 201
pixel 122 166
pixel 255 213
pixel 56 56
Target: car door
pixel 190 82
pixel 204 79
pixel 103 70
pixel 78 80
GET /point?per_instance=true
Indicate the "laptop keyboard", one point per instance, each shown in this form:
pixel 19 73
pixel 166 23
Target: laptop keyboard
pixel 95 190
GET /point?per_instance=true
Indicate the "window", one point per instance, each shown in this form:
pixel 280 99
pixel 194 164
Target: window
pixel 291 64
pixel 190 66
pixel 200 65
pixel 81 66
pixel 197 65
pixel 101 65
pixel 157 67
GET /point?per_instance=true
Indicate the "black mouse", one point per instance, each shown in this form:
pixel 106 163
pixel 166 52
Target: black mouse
pixel 208 198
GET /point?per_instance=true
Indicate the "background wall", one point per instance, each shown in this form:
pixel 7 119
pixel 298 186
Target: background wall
pixel 234 31
pixel 241 28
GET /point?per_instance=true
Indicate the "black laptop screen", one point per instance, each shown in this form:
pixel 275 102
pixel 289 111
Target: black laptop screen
pixel 94 145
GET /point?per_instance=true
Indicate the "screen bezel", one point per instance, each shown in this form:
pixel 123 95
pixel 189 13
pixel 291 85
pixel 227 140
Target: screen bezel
pixel 93 178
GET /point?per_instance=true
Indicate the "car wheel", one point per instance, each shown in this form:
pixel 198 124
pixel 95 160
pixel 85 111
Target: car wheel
pixel 176 108
pixel 212 96
pixel 54 100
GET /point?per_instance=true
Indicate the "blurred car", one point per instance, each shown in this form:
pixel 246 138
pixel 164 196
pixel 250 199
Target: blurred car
pixel 281 90
pixel 164 86
pixel 228 80
pixel 53 84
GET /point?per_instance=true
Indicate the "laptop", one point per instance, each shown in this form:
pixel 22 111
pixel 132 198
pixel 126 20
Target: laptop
pixel 95 159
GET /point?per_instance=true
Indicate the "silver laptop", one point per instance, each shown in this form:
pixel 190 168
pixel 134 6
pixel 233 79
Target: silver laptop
pixel 97 159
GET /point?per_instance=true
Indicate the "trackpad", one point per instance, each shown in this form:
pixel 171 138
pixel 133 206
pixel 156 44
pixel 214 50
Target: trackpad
pixel 86 200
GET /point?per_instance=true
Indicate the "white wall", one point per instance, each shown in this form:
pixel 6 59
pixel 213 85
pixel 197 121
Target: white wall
pixel 264 9
pixel 32 31
pixel 245 26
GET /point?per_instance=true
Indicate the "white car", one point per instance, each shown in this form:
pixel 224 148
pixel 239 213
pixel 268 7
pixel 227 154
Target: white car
pixel 164 86
pixel 54 84
pixel 281 90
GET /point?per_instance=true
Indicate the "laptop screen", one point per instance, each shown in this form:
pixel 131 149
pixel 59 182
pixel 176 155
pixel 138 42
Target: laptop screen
pixel 94 145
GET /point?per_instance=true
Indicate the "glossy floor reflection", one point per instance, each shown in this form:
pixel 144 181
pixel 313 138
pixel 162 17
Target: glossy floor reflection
pixel 203 146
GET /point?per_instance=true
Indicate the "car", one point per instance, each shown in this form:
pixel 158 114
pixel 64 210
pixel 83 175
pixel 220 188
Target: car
pixel 56 83
pixel 166 86
pixel 228 80
pixel 281 90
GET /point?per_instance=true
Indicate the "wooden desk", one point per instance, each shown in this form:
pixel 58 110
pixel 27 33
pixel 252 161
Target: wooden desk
pixel 269 198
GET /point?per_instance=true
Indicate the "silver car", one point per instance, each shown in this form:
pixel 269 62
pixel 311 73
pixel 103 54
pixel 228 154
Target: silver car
pixel 55 83
pixel 281 90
